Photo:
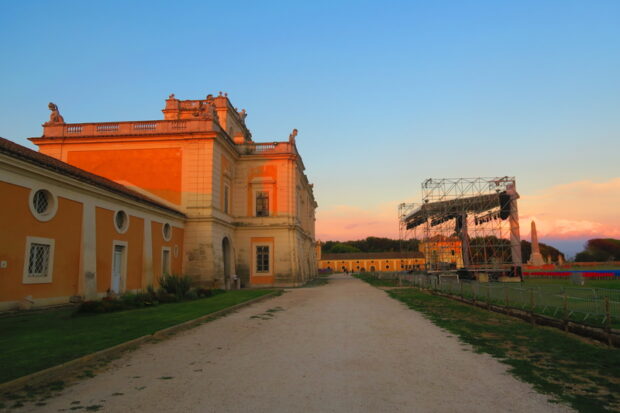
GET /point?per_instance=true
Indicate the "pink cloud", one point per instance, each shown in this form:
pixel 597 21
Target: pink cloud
pixel 346 222
pixel 581 209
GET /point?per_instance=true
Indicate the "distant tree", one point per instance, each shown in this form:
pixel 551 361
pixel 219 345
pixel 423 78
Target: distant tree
pixel 584 256
pixel 599 250
pixel 339 248
pixel 526 250
pixel 370 244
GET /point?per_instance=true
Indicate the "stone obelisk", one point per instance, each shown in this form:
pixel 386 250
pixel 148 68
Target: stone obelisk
pixel 535 258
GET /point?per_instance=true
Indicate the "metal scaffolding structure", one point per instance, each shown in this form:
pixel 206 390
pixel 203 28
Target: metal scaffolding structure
pixel 469 224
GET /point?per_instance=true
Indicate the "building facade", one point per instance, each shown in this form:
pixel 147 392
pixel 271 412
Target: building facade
pixel 371 261
pixel 68 234
pixel 241 209
pixel 442 253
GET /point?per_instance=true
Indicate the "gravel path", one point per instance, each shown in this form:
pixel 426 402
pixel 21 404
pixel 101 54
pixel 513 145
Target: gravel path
pixel 343 347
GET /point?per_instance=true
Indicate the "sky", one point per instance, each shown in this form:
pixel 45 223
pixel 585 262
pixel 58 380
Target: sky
pixel 384 94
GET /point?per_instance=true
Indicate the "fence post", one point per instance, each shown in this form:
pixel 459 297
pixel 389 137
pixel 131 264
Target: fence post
pixel 461 288
pixel 532 307
pixel 400 280
pixel 473 291
pixel 565 305
pixel 608 320
pixel 488 296
pixel 506 296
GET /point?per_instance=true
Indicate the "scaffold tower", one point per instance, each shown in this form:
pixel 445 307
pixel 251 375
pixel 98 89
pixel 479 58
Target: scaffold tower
pixel 469 224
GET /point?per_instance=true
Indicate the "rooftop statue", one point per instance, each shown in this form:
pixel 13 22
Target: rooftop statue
pixel 206 111
pixel 292 136
pixel 55 117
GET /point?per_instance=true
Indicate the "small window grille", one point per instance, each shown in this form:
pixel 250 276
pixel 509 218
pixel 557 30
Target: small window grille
pixel 38 262
pixel 262 204
pixel 41 201
pixel 262 258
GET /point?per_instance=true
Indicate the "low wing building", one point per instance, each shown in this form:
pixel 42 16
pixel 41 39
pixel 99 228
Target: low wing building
pixel 372 262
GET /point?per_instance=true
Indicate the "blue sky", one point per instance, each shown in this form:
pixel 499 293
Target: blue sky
pixel 384 94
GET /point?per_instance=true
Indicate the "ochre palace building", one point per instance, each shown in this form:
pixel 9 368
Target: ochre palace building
pixel 111 206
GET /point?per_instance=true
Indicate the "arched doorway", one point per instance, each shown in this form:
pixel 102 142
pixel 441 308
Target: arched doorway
pixel 226 258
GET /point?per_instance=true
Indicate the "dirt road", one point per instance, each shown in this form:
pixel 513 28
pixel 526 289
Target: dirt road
pixel 343 347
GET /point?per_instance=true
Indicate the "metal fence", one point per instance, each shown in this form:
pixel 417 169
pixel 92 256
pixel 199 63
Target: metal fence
pixel 593 306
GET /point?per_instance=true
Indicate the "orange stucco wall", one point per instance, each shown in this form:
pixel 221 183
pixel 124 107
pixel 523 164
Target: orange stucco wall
pixel 158 170
pixel 176 264
pixel 106 234
pixel 17 223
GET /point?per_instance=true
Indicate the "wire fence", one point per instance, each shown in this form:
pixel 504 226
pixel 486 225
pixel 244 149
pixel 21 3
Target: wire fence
pixel 593 306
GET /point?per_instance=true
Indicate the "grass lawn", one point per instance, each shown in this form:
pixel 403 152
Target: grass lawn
pixel 535 282
pixel 372 279
pixel 30 342
pixel 582 374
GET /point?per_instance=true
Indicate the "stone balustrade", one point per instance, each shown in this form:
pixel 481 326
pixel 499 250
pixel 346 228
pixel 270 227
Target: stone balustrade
pixel 153 127
pixel 128 128
pixel 259 148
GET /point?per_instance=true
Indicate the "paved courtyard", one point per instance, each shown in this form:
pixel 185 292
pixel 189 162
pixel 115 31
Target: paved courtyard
pixel 343 347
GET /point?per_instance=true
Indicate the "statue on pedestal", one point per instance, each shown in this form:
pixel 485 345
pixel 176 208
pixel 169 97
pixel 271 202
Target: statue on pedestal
pixel 55 117
pixel 292 136
pixel 206 111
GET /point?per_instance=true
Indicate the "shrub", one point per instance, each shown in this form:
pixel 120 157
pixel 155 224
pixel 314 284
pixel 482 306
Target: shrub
pixel 191 294
pixel 208 292
pixel 165 297
pixel 139 299
pixel 91 307
pixel 204 292
pixel 103 306
pixel 176 284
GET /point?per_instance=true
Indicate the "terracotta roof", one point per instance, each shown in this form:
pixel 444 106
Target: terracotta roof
pixel 21 152
pixel 371 255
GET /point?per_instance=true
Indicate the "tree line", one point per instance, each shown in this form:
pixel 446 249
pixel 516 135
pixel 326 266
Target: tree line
pixel 600 250
pixel 378 244
pixel 369 244
pixel 595 250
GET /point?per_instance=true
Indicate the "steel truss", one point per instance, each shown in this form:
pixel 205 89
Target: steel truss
pixel 465 223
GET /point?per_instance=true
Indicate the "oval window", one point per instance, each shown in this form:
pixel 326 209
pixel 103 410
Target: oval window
pixel 121 221
pixel 43 204
pixel 167 231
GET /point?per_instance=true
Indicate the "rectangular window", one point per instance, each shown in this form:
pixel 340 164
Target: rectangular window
pixel 226 198
pixel 39 260
pixel 262 258
pixel 38 263
pixel 118 266
pixel 262 204
pixel 165 261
